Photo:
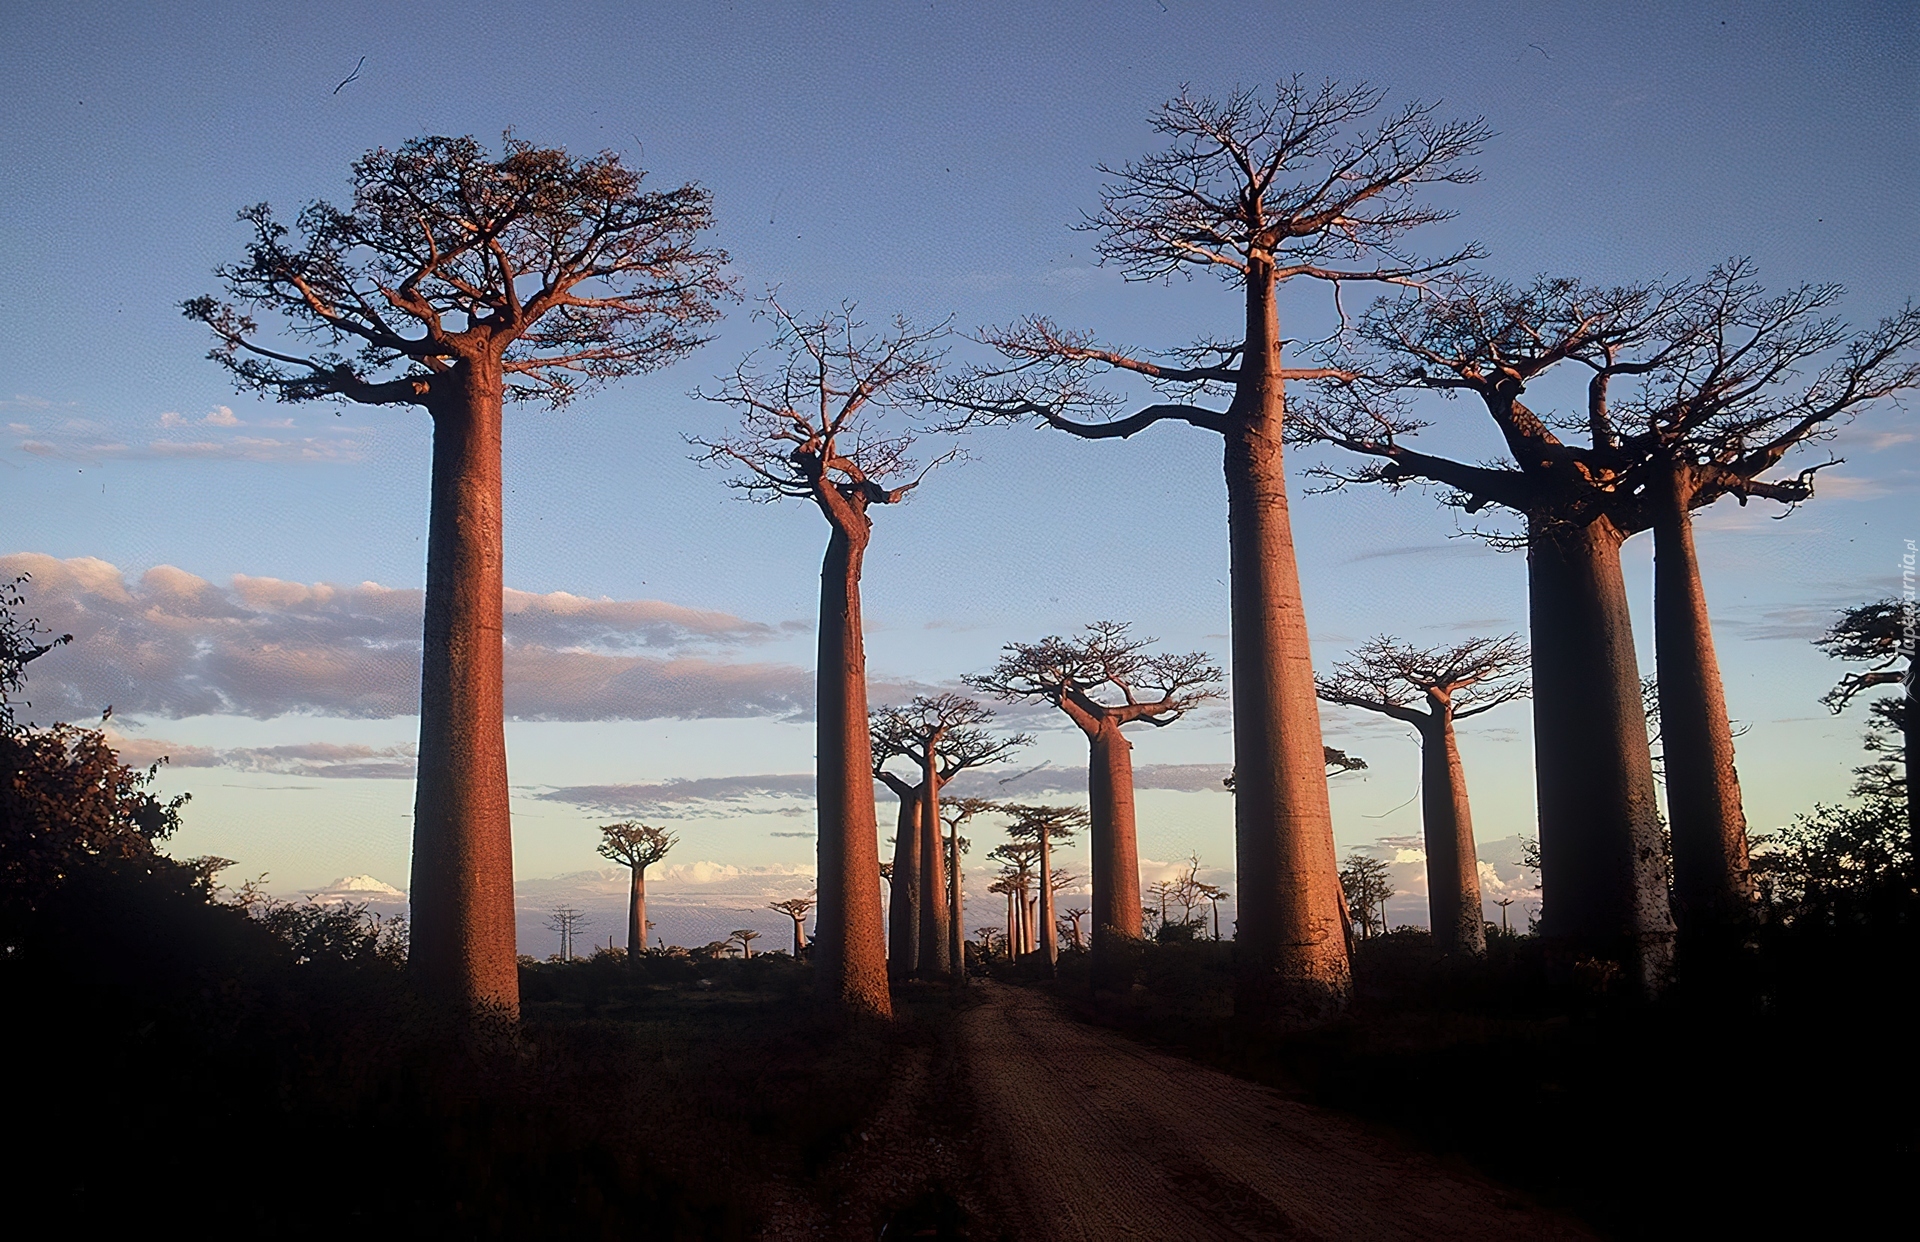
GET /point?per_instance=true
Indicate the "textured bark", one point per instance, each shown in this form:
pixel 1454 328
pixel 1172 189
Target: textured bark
pixel 903 911
pixel 1453 867
pixel 933 962
pixel 1049 933
pixel 849 942
pixel 1712 885
pixel 1291 957
pixel 957 937
pixel 1602 873
pixel 461 893
pixel 1116 851
pixel 636 911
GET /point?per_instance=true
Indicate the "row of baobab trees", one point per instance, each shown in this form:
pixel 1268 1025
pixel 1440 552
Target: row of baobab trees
pixel 456 281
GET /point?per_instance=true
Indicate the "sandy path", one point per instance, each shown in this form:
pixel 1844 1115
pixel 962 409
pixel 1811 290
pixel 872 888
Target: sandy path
pixel 1090 1135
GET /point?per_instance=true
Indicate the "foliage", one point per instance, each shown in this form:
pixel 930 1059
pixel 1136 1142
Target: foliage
pixel 1363 878
pixel 1837 865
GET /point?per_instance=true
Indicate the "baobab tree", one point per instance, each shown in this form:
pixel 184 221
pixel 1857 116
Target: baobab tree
pixel 1072 919
pixel 1881 635
pixel 796 909
pixel 1043 827
pixel 566 921
pixel 744 937
pixel 1712 420
pixel 1430 689
pixel 956 813
pixel 903 873
pixel 1304 184
pixel 942 735
pixel 1019 868
pixel 635 846
pixel 1104 680
pixel 456 282
pixel 814 408
pixel 1603 868
pixel 1364 880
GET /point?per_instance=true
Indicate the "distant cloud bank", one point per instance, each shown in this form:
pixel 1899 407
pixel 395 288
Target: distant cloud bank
pixel 173 644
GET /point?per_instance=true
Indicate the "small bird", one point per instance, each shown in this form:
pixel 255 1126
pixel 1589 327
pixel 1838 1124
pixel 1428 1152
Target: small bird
pixel 107 715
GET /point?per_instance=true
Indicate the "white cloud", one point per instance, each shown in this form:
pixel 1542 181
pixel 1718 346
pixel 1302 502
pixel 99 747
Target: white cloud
pixel 173 644
pixel 221 416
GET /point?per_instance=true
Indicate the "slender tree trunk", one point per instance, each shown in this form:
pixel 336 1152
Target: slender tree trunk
pixel 1453 867
pixel 463 945
pixel 1029 913
pixel 956 898
pixel 1602 871
pixel 1049 928
pixel 903 913
pixel 636 912
pixel 934 962
pixel 1013 946
pixel 799 937
pixel 1291 957
pixel 849 956
pixel 1116 851
pixel 1712 884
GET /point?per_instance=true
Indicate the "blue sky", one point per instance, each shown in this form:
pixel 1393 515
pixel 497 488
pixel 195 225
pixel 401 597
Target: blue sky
pixel 918 158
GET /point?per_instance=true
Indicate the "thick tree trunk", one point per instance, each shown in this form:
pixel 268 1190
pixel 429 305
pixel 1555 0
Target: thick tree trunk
pixel 903 911
pixel 1049 931
pixel 1712 885
pixel 957 936
pixel 636 912
pixel 1291 957
pixel 463 949
pixel 1013 944
pixel 934 962
pixel 1602 871
pixel 1453 866
pixel 1116 850
pixel 849 944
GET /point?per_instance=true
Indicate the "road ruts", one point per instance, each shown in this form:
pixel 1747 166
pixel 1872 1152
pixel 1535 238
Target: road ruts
pixel 1088 1135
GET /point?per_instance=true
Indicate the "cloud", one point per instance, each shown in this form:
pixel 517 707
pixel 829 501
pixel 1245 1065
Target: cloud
pixel 346 762
pixel 174 644
pixel 239 448
pixel 221 417
pixel 680 798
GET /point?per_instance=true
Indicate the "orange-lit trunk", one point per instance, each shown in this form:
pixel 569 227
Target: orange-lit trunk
pixel 1049 933
pixel 849 942
pixel 1116 852
pixel 1712 885
pixel 461 895
pixel 1453 867
pixel 637 911
pixel 1291 956
pixel 934 962
pixel 957 937
pixel 903 909
pixel 1602 872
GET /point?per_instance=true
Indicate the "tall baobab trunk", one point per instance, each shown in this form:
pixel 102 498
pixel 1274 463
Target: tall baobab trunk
pixel 849 941
pixel 637 912
pixel 1291 956
pixel 1116 851
pixel 903 911
pixel 1013 942
pixel 463 948
pixel 957 939
pixel 1453 866
pixel 1712 885
pixel 934 961
pixel 1602 873
pixel 1049 933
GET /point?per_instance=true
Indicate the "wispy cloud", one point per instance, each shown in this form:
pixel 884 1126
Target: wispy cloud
pixel 173 644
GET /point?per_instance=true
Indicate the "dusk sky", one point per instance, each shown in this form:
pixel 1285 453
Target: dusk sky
pixel 242 577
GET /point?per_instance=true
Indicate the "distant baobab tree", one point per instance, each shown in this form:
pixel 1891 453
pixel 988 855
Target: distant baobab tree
pixel 1881 635
pixel 813 427
pixel 1072 919
pixel 1019 868
pixel 1503 903
pixel 744 937
pixel 455 282
pixel 942 735
pixel 1261 190
pixel 1719 413
pixel 1364 880
pixel 796 909
pixel 1044 826
pixel 956 813
pixel 566 921
pixel 1430 689
pixel 1105 679
pixel 986 937
pixel 635 846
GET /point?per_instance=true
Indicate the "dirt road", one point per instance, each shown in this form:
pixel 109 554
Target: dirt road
pixel 1088 1135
